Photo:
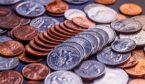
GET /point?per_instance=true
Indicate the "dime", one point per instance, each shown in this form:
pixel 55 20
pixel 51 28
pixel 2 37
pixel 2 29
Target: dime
pixel 108 57
pixel 121 17
pixel 43 23
pixel 5 38
pixel 126 26
pixel 113 76
pixel 72 13
pixel 33 82
pixel 63 77
pixel 30 9
pixel 43 2
pixel 106 2
pixel 90 69
pixel 56 59
pixel 131 9
pixel 123 45
pixel 102 14
pixel 9 2
pixel 76 1
pixel 35 71
pixel 11 77
pixel 137 81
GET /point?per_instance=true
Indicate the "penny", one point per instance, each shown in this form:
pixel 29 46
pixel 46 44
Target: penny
pixel 56 59
pixel 11 77
pixel 11 48
pixel 55 15
pixel 9 2
pixel 76 1
pixel 83 22
pixel 131 9
pixel 72 13
pixel 137 81
pixel 106 2
pixel 108 57
pixel 123 45
pixel 43 23
pixel 43 2
pixel 113 76
pixel 30 9
pixel 8 63
pixel 5 38
pixel 25 33
pixel 63 77
pixel 33 82
pixel 24 21
pixel 121 17
pixel 126 26
pixel 90 69
pixel 102 14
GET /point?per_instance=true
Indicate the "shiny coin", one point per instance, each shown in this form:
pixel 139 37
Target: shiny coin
pixel 106 2
pixel 90 69
pixel 76 1
pixel 43 23
pixel 72 13
pixel 43 2
pixel 57 58
pixel 102 14
pixel 123 45
pixel 121 17
pixel 108 57
pixel 63 77
pixel 9 2
pixel 137 81
pixel 5 38
pixel 113 76
pixel 126 26
pixel 30 9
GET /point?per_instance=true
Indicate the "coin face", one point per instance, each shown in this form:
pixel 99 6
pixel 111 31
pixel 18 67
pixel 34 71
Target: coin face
pixel 30 9
pixel 108 57
pixel 102 14
pixel 113 76
pixel 63 77
pixel 76 1
pixel 123 45
pixel 5 38
pixel 57 58
pixel 137 81
pixel 90 69
pixel 106 2
pixel 9 2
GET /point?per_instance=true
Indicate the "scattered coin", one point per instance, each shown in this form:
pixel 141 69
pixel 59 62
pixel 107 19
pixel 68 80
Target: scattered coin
pixel 9 2
pixel 106 2
pixel 121 17
pixel 76 1
pixel 137 81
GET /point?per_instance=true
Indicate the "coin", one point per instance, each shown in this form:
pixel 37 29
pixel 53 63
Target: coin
pixel 35 71
pixel 64 77
pixel 9 2
pixel 76 1
pixel 56 59
pixel 121 17
pixel 137 81
pixel 33 82
pixel 5 38
pixel 11 77
pixel 102 14
pixel 43 23
pixel 131 9
pixel 24 21
pixel 108 57
pixel 113 76
pixel 72 13
pixel 30 9
pixel 90 69
pixel 106 2
pixel 11 48
pixel 126 26
pixel 43 2
pixel 123 45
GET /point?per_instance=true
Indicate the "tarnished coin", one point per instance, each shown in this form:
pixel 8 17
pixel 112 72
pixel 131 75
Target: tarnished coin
pixel 131 9
pixel 9 2
pixel 126 26
pixel 63 77
pixel 113 76
pixel 35 71
pixel 8 63
pixel 76 1
pixel 90 69
pixel 57 58
pixel 72 13
pixel 5 38
pixel 43 2
pixel 30 9
pixel 33 82
pixel 137 81
pixel 102 14
pixel 121 17
pixel 43 23
pixel 123 45
pixel 106 2
pixel 108 57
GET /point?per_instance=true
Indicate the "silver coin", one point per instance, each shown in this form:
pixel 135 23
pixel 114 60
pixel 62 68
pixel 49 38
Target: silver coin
pixel 64 58
pixel 63 77
pixel 72 13
pixel 90 69
pixel 76 1
pixel 109 57
pixel 113 76
pixel 126 26
pixel 5 38
pixel 30 9
pixel 102 14
pixel 123 45
pixel 9 2
pixel 8 63
pixel 43 2
pixel 43 23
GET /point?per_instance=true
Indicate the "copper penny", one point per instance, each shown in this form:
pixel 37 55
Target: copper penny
pixel 83 22
pixel 33 82
pixel 11 77
pixel 4 11
pixel 35 71
pixel 11 48
pixel 106 2
pixel 130 9
pixel 54 14
pixel 121 17
pixel 25 33
pixel 137 81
